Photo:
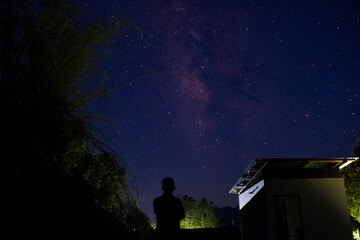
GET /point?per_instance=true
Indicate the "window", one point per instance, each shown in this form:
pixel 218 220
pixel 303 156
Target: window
pixel 288 218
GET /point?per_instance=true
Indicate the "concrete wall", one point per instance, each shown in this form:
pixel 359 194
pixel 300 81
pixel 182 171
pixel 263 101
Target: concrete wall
pixel 324 209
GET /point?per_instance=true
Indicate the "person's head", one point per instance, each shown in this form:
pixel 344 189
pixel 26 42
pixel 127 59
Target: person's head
pixel 168 185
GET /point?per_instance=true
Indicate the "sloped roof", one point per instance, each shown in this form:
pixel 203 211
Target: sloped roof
pixel 257 165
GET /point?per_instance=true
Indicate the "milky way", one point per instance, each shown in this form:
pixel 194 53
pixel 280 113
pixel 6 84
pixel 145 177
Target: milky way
pixel 232 81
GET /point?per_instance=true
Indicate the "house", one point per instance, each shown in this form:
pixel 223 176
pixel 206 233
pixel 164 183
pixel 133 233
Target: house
pixel 294 199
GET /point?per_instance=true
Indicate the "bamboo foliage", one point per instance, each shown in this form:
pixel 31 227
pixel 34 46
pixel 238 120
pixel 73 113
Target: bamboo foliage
pixel 49 58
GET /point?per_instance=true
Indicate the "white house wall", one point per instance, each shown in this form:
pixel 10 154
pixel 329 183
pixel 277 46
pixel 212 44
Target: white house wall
pixel 324 208
pixel 246 196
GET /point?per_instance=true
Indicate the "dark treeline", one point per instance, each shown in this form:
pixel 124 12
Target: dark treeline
pixel 58 181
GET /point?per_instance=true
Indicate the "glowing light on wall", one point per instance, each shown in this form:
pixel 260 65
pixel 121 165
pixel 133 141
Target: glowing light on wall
pixel 246 196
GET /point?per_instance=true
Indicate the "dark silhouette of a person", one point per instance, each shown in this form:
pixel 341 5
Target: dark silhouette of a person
pixel 169 211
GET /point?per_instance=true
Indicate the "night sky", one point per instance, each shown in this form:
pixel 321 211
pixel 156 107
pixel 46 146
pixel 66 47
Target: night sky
pixel 232 81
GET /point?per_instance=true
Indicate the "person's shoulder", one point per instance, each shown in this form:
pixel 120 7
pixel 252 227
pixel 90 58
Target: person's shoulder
pixel 158 198
pixel 176 198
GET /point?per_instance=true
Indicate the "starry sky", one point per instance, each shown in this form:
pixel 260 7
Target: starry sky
pixel 226 82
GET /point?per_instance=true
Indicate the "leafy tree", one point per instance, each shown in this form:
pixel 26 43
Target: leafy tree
pixel 53 165
pixel 198 214
pixel 351 176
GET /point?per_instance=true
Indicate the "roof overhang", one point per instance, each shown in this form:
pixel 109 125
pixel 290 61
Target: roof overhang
pixel 252 173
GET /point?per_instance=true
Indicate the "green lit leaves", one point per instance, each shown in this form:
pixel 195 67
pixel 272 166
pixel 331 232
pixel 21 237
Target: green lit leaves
pixel 198 214
pixel 351 176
